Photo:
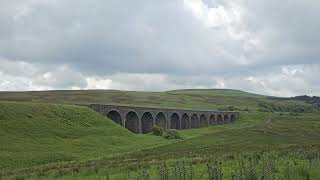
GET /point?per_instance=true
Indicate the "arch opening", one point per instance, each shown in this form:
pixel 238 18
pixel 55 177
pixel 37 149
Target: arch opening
pixel 132 122
pixel 212 120
pixel 161 120
pixel 175 121
pixel 185 122
pixel 226 119
pixel 219 119
pixel 115 116
pixel 203 121
pixel 146 122
pixel 194 121
pixel 232 118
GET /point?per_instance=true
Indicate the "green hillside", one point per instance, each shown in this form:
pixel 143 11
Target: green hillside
pixel 216 92
pixel 212 99
pixel 32 134
pixel 44 136
pixel 47 137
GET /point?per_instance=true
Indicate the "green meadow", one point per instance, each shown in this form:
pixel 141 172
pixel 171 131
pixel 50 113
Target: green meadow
pixel 44 135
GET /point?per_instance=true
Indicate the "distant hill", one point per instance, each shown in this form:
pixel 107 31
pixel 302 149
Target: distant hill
pixel 204 99
pixel 215 92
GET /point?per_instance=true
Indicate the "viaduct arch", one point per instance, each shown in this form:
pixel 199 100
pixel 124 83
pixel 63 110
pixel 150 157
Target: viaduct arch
pixel 142 119
pixel 185 121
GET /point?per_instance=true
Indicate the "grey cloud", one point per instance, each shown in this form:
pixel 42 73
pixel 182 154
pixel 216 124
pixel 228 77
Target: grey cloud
pixel 288 30
pixel 116 36
pixel 61 78
pixel 126 40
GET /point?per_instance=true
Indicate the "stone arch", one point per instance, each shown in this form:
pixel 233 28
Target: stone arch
pixel 212 119
pixel 203 121
pixel 232 118
pixel 226 119
pixel 185 121
pixel 175 121
pixel 161 120
pixel 146 122
pixel 219 119
pixel 132 122
pixel 115 116
pixel 194 121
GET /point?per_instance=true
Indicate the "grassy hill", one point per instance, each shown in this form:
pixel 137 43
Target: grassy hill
pixel 216 92
pixel 211 99
pixel 33 134
pixel 44 136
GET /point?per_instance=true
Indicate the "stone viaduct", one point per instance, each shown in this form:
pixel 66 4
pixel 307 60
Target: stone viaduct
pixel 142 119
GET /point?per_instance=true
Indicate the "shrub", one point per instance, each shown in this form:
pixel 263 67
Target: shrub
pixel 166 133
pixel 157 131
pixel 171 134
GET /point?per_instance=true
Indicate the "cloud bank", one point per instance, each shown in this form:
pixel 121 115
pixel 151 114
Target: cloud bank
pixel 268 47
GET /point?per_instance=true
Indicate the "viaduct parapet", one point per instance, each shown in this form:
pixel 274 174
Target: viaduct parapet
pixel 142 119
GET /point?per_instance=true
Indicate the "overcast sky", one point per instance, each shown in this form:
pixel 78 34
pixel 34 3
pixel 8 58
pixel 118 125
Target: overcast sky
pixel 267 47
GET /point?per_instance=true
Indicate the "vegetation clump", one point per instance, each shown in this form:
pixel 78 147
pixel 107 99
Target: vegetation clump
pixel 166 133
pixel 296 108
pixel 157 131
pixel 171 134
pixel 314 100
pixel 214 169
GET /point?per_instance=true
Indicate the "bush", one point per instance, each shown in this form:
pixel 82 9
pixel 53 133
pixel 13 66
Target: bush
pixel 171 134
pixel 166 133
pixel 157 131
pixel 296 108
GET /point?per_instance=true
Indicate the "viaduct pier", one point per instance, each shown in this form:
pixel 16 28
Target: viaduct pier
pixel 142 119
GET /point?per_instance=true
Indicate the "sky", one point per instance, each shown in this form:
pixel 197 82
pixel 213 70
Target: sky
pixel 266 47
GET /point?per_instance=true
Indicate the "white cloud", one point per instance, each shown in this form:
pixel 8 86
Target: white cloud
pixel 98 83
pixel 211 17
pixel 61 77
pixel 19 83
pixel 286 81
pixel 141 82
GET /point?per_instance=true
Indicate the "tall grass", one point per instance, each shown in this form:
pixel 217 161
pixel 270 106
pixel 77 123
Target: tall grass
pixel 251 166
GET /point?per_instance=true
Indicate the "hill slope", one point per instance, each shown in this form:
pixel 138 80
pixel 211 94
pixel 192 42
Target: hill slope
pixel 210 99
pixel 32 134
pixel 216 92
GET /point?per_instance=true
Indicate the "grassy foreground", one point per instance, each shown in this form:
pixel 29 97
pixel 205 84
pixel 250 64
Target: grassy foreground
pixel 69 142
pixel 44 136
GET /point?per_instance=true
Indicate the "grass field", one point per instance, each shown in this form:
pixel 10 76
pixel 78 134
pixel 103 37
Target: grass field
pixel 42 140
pixel 210 99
